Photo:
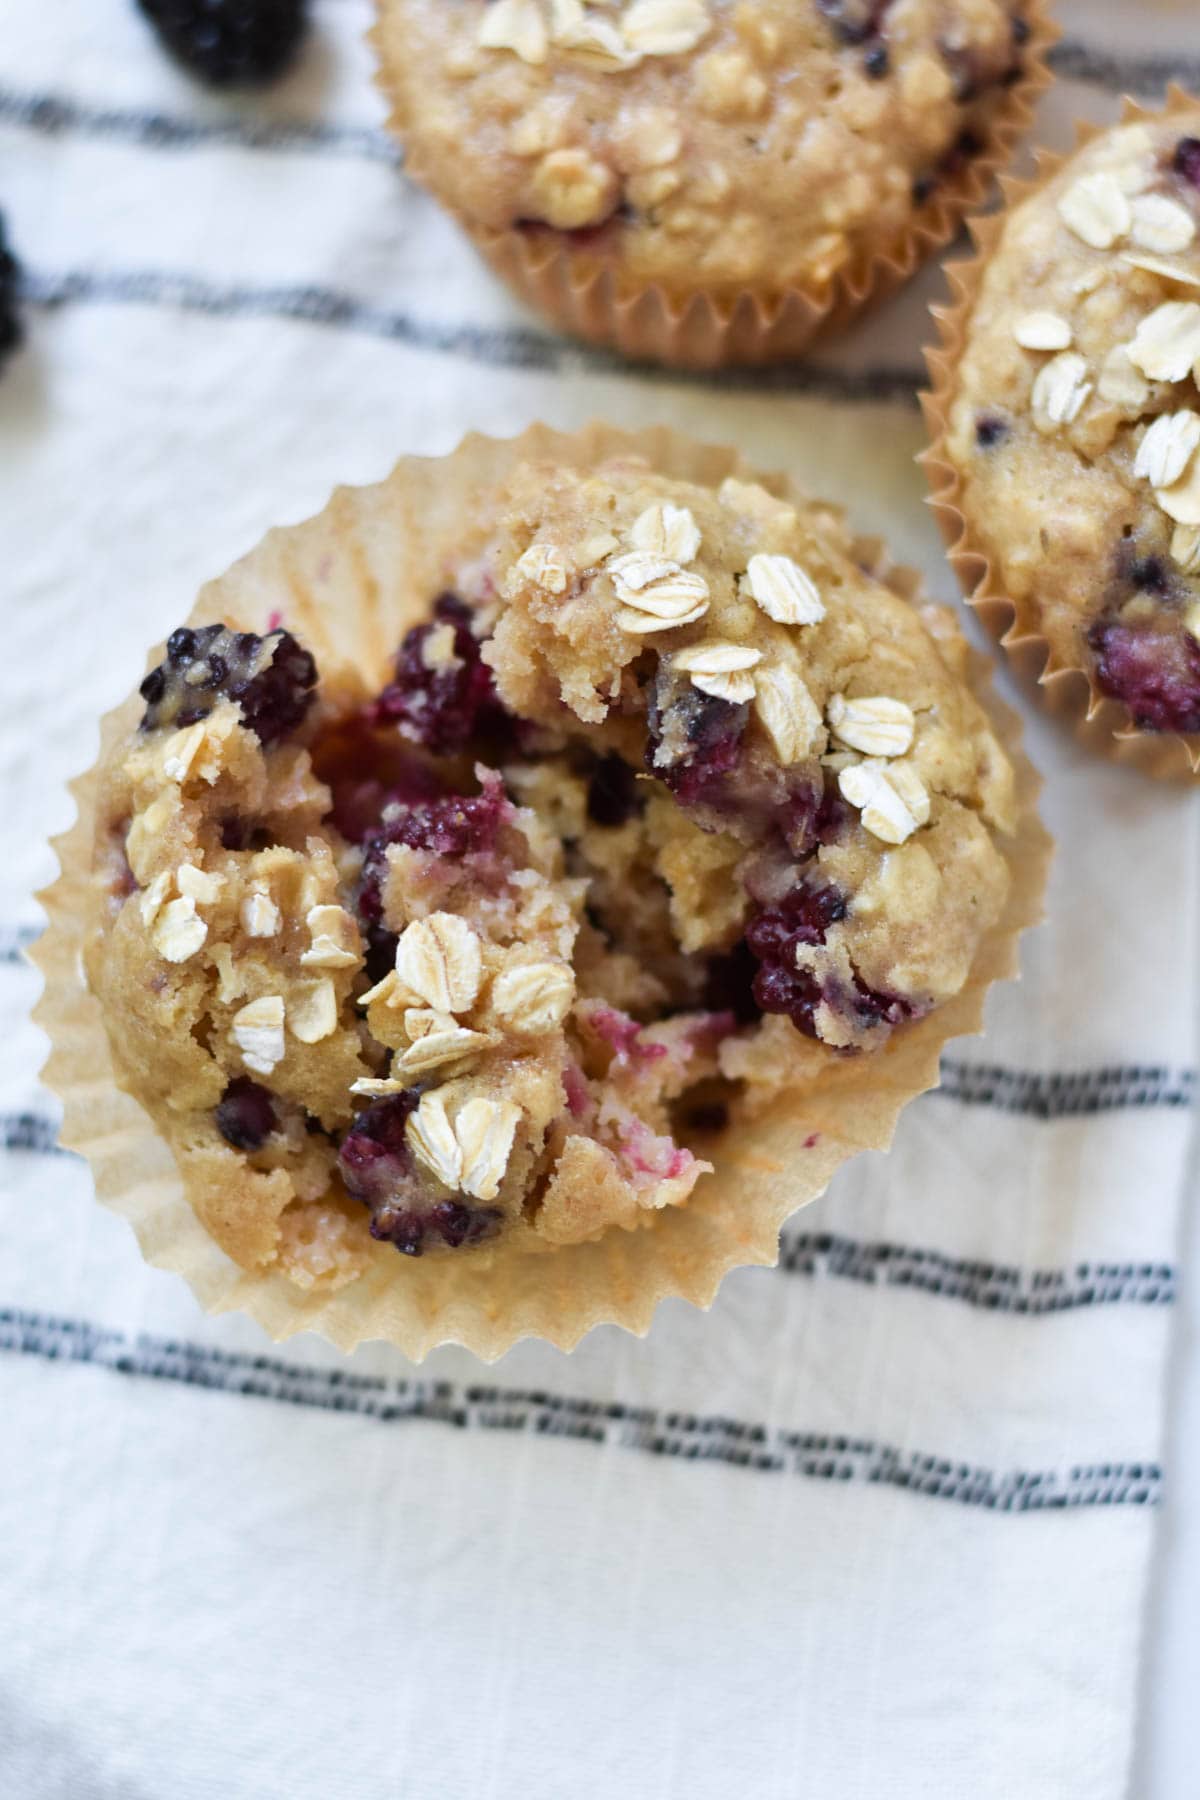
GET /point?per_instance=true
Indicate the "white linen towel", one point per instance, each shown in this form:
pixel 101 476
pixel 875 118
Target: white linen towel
pixel 880 1523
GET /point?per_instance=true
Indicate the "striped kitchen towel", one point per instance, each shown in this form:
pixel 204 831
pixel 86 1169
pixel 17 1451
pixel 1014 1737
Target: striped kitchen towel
pixel 881 1522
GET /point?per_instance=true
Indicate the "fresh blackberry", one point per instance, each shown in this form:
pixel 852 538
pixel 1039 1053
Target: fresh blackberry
pixel 11 331
pixel 271 678
pixel 230 43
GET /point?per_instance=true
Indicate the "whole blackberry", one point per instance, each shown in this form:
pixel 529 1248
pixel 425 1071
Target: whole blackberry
pixel 230 43
pixel 10 320
pixel 271 678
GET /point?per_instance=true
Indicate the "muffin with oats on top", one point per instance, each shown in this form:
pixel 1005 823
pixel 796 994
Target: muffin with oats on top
pixel 707 180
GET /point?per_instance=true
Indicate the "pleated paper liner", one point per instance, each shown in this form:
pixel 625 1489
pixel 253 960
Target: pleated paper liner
pixel 1068 692
pixel 582 295
pixel 350 582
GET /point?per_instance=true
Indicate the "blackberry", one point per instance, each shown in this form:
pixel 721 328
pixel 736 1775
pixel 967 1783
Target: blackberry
pixel 230 43
pixel 11 331
pixel 271 678
pixel 612 795
pixel 854 21
pixel 443 699
pixel 694 742
pixel 773 936
pixel 450 825
pixel 990 430
pixel 377 1168
pixel 1156 673
pixel 245 1114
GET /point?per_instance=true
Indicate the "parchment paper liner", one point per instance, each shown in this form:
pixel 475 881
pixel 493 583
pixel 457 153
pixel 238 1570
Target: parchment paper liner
pixel 1068 692
pixel 583 297
pixel 349 582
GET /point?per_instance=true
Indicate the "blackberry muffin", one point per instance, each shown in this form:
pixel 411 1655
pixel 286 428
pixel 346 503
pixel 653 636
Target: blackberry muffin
pixel 1069 453
pixel 706 151
pixel 552 948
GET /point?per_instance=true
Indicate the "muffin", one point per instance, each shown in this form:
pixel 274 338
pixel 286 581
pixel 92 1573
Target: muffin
pixel 699 180
pixel 666 819
pixel 1068 430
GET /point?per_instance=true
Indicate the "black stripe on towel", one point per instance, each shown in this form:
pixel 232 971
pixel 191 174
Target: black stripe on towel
pixel 683 1436
pixel 1121 72
pixel 15 940
pixel 993 1287
pixel 1068 1094
pixel 149 128
pixel 505 347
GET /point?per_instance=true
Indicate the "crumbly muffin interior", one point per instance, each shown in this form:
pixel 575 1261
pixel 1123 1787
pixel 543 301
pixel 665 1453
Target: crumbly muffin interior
pixel 667 802
pixel 703 144
pixel 1075 423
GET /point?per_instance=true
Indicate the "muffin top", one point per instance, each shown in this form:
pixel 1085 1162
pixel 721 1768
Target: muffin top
pixel 1075 422
pixel 707 145
pixel 668 801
